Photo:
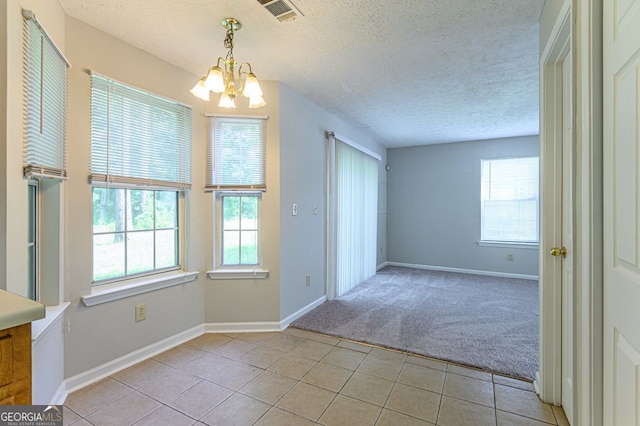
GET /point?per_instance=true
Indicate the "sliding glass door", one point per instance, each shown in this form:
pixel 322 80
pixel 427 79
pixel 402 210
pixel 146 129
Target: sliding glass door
pixel 353 215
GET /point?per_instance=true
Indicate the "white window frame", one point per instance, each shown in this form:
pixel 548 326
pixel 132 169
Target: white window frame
pixel 178 252
pixel 118 288
pixel 222 271
pixel 222 196
pixel 499 242
pixel 33 214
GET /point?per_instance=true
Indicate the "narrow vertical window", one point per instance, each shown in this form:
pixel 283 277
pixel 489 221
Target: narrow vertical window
pixel 240 229
pixel 32 241
pixel 236 172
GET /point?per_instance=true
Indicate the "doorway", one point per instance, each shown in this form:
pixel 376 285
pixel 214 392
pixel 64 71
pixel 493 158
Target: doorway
pixel 555 380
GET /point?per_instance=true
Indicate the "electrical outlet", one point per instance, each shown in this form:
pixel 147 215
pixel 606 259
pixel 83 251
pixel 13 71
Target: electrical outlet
pixel 510 257
pixel 141 312
pixel 294 209
pixel 315 209
pixel 308 280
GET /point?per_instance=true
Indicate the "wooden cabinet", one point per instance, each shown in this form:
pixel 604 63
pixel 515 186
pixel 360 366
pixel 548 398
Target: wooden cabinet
pixel 15 365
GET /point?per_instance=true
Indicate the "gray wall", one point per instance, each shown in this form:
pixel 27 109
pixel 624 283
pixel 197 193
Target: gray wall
pixel 434 206
pixel 303 181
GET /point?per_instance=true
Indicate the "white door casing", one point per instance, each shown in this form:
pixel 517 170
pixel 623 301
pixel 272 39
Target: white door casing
pixel 621 130
pixel 548 383
pixel 568 283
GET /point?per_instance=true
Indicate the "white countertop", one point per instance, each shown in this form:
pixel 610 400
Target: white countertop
pixel 17 310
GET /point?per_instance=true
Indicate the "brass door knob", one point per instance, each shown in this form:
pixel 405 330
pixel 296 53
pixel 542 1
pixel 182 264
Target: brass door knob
pixel 557 251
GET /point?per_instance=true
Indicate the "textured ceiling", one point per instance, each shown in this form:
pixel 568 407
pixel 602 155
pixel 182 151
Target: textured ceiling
pixel 410 72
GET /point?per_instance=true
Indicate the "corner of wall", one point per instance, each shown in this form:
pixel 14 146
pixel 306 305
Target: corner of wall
pixel 3 145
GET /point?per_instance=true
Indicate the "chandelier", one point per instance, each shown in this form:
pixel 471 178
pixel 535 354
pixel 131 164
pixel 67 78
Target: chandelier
pixel 226 81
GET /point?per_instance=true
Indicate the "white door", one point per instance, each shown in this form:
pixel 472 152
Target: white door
pixel 621 107
pixel 567 240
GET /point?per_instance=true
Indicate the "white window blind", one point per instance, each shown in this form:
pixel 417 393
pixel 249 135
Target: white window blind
pixel 236 154
pixel 509 194
pixel 45 103
pixel 137 137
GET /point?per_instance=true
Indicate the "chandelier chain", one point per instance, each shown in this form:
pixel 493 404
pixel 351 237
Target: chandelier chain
pixel 228 42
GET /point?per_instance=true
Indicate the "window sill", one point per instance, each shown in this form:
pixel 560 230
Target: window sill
pixel 508 244
pixel 39 327
pixel 238 274
pixel 109 293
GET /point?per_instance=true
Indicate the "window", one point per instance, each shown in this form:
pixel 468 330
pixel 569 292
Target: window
pixel 134 231
pixel 236 171
pixel 509 195
pixel 45 100
pixel 236 154
pixel 239 229
pixel 140 166
pixel 32 241
pixel 45 90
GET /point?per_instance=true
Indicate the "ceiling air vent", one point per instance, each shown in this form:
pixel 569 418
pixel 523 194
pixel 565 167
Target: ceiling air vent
pixel 281 9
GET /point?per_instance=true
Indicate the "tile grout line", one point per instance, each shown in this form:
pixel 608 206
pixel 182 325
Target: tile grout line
pixel 301 341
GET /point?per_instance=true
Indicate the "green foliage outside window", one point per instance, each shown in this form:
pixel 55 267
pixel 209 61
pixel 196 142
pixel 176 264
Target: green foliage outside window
pixel 240 230
pixel 134 231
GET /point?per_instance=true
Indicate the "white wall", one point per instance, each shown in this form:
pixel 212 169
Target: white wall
pixel 104 332
pixel 434 206
pixel 303 181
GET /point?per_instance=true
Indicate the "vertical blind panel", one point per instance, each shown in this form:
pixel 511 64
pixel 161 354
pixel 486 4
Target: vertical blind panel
pixel 45 93
pixel 137 137
pixel 357 217
pixel 236 153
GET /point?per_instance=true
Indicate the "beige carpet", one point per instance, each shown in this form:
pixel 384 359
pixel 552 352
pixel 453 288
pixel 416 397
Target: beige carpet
pixel 485 322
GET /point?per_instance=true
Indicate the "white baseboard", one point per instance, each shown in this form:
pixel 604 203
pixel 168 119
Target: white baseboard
pixel 464 271
pixel 241 327
pixel 60 396
pixel 263 326
pixel 100 372
pixel 294 316
pixel 382 265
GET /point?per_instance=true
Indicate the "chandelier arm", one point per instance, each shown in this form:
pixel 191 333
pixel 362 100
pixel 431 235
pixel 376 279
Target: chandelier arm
pixel 240 68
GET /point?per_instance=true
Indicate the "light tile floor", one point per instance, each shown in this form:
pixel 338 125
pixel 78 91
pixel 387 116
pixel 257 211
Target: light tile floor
pixel 301 378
